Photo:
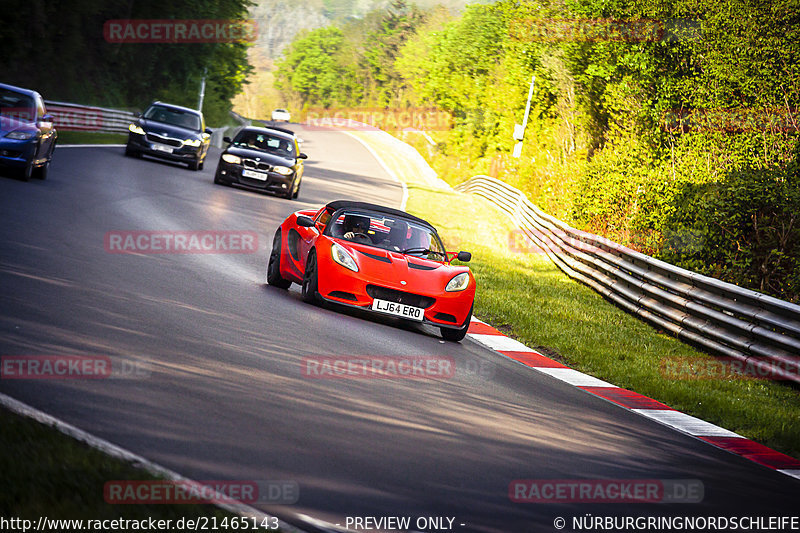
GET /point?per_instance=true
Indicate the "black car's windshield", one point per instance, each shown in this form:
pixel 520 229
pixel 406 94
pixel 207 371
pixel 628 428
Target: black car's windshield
pixel 388 233
pixel 265 143
pixel 17 105
pixel 174 117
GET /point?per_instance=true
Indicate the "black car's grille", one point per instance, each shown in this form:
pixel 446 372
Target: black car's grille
pixel 250 182
pixel 252 163
pixel 152 137
pixel 400 297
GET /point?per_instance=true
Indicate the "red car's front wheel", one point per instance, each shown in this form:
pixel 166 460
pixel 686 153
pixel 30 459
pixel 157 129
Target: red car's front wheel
pixel 457 335
pixel 310 285
pixel 274 265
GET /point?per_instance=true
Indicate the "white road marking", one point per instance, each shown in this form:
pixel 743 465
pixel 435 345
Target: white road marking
pixel 574 377
pixel 686 423
pixel 500 343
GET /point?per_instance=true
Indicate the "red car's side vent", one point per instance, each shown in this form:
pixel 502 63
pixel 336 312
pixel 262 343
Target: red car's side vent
pixel 381 258
pixel 343 296
pixel 422 267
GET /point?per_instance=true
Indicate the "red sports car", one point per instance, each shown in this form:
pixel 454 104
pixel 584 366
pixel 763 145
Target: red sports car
pixel 375 258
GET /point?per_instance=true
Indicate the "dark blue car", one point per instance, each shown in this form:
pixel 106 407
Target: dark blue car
pixel 27 135
pixel 170 132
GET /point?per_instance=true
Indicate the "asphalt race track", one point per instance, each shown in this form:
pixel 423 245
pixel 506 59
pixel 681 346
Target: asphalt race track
pixel 223 396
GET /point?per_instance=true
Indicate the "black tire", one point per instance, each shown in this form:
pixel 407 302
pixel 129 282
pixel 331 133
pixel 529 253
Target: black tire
pixel 297 192
pixel 43 170
pixel 273 265
pixel 457 335
pixel 131 153
pixel 27 172
pixel 289 194
pixel 217 180
pixel 194 165
pixel 310 285
pixel 202 164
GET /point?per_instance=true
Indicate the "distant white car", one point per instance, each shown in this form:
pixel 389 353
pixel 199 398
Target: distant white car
pixel 281 115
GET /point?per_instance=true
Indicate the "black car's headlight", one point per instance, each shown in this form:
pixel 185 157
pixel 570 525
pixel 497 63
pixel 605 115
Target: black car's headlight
pixel 232 159
pixel 285 171
pixel 192 142
pixel 135 128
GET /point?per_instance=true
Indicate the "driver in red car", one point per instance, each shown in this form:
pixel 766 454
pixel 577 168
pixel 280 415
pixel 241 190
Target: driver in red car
pixel 356 229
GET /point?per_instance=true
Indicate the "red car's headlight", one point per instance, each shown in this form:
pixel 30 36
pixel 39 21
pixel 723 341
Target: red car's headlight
pixel 458 283
pixel 341 256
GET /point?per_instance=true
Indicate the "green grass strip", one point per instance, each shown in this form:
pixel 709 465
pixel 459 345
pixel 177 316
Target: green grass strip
pixel 45 473
pixel 86 137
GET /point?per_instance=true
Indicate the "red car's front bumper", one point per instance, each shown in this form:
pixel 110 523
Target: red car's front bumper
pixel 420 285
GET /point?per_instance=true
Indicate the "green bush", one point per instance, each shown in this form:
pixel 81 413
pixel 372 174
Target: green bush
pixel 682 145
pixel 744 228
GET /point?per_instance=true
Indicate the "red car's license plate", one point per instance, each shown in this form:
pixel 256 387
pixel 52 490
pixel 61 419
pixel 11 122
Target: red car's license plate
pixel 401 310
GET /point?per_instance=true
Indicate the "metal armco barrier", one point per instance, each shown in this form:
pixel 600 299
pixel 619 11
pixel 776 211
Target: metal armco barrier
pixel 75 117
pixel 728 320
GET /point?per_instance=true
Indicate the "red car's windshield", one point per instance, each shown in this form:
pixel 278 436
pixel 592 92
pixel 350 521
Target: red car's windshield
pixel 383 231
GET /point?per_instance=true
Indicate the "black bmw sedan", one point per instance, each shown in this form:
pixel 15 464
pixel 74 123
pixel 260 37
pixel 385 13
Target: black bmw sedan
pixel 170 132
pixel 267 159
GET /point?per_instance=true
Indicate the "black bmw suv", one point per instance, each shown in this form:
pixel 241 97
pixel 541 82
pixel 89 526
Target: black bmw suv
pixel 268 159
pixel 170 132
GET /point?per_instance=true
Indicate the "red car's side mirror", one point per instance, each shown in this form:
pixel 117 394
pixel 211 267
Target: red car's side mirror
pixel 305 222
